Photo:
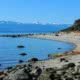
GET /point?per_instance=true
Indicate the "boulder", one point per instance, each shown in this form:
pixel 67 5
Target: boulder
pixel 33 60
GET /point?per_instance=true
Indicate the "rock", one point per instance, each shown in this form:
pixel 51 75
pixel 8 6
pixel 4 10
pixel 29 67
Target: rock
pixel 14 36
pixel 21 61
pixel 0 65
pixel 21 74
pixel 59 48
pixel 62 59
pixel 50 74
pixel 36 73
pixel 45 76
pixel 20 46
pixel 69 78
pixel 72 65
pixel 33 60
pixel 23 54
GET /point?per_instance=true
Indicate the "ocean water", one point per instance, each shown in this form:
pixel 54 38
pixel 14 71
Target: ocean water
pixel 37 48
pixel 6 28
pixel 34 48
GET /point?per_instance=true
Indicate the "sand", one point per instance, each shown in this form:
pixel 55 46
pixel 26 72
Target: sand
pixel 56 62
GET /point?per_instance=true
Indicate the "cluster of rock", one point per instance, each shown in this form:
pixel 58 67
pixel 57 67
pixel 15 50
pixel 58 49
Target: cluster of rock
pixel 22 72
pixel 69 71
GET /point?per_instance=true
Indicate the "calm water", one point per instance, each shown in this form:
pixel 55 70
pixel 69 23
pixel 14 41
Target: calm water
pixel 9 53
pixel 38 48
pixel 30 28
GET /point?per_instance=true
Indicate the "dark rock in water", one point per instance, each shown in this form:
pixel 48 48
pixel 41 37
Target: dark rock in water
pixel 33 60
pixel 21 61
pixel 23 54
pixel 20 46
pixel 59 48
pixel 0 65
pixel 13 36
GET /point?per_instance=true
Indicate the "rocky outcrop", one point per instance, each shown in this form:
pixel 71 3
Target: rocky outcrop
pixel 74 27
pixel 21 74
pixel 69 71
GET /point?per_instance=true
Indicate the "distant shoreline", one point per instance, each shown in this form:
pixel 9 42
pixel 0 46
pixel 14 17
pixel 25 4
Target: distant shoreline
pixel 21 35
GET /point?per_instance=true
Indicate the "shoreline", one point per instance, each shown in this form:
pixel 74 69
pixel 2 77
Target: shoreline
pixel 58 41
pixel 59 62
pixel 47 36
pixel 43 37
pixel 63 37
pixel 51 36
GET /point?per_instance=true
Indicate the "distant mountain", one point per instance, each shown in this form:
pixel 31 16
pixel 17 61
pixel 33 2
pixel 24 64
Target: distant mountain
pixel 12 22
pixel 16 27
pixel 74 27
pixel 9 22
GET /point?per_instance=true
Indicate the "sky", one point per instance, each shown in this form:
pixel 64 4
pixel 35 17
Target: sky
pixel 44 11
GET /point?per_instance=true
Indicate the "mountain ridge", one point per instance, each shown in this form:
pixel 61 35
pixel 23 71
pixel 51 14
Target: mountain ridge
pixel 14 22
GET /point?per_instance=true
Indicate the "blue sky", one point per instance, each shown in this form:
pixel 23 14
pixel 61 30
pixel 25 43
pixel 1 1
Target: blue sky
pixel 57 11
